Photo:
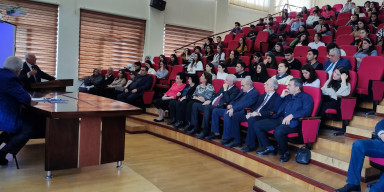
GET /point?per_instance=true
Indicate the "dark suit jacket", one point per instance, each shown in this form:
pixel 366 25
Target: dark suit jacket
pixel 108 81
pixel 299 105
pixel 379 127
pixel 341 62
pixel 228 96
pixel 141 83
pixel 266 110
pixel 12 96
pixel 244 100
pixel 33 79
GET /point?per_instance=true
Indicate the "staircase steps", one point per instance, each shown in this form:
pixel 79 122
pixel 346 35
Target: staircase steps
pixel 361 131
pixel 277 184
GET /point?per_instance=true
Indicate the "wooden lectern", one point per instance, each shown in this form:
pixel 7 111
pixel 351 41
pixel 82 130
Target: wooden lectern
pixel 55 85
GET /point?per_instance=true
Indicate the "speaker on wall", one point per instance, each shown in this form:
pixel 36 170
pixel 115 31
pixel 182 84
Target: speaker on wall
pixel 158 4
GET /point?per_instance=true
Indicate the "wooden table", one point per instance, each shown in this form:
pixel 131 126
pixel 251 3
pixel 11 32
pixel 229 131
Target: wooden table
pixel 87 130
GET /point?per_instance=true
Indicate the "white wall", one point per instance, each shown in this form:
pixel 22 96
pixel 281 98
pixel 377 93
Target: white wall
pixel 215 15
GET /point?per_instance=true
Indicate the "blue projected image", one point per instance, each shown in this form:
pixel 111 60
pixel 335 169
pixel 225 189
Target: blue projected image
pixel 7 41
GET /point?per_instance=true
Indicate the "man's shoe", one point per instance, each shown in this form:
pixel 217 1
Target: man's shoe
pixel 188 127
pixel 233 144
pixel 213 136
pixel 157 120
pixel 201 135
pixel 225 141
pixel 193 131
pixel 178 124
pixel 266 151
pixel 248 149
pixel 349 188
pixel 171 122
pixel 3 160
pixel 285 157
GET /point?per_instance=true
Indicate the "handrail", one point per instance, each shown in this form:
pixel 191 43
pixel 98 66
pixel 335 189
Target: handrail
pixel 227 30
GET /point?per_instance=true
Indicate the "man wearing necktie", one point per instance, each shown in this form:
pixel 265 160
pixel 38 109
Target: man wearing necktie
pixel 225 95
pixel 334 61
pixel 293 104
pixel 246 98
pixel 31 73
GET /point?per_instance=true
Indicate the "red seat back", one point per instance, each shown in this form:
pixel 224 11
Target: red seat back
pixel 245 59
pixel 228 38
pixel 217 84
pixel 271 72
pixel 280 89
pixel 238 84
pixel 226 51
pixel 259 28
pixel 179 60
pixel 156 60
pixel 262 36
pixel 379 50
pixel 344 39
pixel 352 81
pixel 295 73
pixel 246 30
pixel 338 7
pixel 366 72
pixel 322 51
pixel 343 30
pixel 231 70
pixel 259 87
pixel 232 45
pixel 350 50
pixel 249 45
pixel 351 60
pixel 323 77
pixel 301 51
pixel 327 39
pixel 311 32
pixel 279 59
pixel 315 93
pixel 322 59
pixel 238 36
pixel 344 16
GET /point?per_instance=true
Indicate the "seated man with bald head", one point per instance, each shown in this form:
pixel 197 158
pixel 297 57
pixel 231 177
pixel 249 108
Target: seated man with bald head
pixel 31 73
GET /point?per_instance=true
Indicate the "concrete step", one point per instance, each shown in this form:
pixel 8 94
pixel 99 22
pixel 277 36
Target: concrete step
pixel 360 130
pixel 277 184
pixel 341 161
pixel 369 121
pixel 334 143
pixel 380 109
pixel 131 126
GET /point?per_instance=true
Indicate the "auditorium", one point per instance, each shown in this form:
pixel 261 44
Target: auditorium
pixel 202 95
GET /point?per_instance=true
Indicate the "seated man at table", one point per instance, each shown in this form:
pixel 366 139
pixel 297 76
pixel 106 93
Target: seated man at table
pixel 31 73
pixel 292 104
pixel 219 100
pixel 136 89
pixel 15 133
pixel 360 149
pixel 246 98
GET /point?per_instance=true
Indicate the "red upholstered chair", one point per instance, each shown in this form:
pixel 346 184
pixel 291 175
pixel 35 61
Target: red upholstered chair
pixel 285 30
pixel 323 77
pixel 238 84
pixel 148 94
pixel 303 60
pixel 271 72
pixel 231 70
pixel 259 87
pixel 293 14
pixel 371 84
pixel 217 84
pixel 344 39
pixel 228 38
pixel 259 28
pixel 226 51
pixel 249 44
pixel 278 18
pixel 168 59
pixel 381 18
pixel 322 51
pixel 245 59
pixel 295 73
pixel 261 40
pixel 289 40
pixel 347 105
pixel 225 44
pixel 350 50
pixel 352 60
pixel 327 39
pixel 301 51
pixel 379 50
pixel 238 36
pixel 322 59
pixel 309 125
pixel 232 45
pixel 344 16
pixel 343 30
pixel 179 60
pixel 311 32
pixel 155 66
pixel 280 89
pixel 373 37
pixel 279 59
pixel 204 61
pixel 338 7
pixel 246 30
pixel 167 83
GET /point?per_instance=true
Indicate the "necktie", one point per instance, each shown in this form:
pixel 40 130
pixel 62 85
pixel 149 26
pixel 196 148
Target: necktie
pixel 217 101
pixel 263 103
pixel 330 67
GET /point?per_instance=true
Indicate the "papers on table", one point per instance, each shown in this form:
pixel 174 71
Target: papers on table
pixel 50 100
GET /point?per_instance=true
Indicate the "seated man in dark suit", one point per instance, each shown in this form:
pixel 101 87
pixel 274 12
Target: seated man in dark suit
pixel 219 100
pixel 334 61
pixel 108 77
pixel 261 110
pixel 15 132
pixel 136 89
pixel 31 73
pixel 246 98
pixel 93 83
pixel 360 149
pixel 292 104
pixel 240 71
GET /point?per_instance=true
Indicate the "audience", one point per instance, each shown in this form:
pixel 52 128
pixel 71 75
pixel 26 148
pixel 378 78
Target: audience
pixel 210 68
pixel 219 100
pixel 270 28
pixel 218 41
pixel 108 77
pixel 196 51
pixel 316 41
pixel 335 60
pixel 320 23
pixel 278 50
pixel 208 43
pixel 232 60
pixel 222 72
pixel 358 41
pixel 185 56
pixel 309 76
pixel 162 72
pixel 209 53
pixel 337 85
pixel 367 49
pixel 120 80
pixel 259 73
pixel 195 65
pixel 92 82
pixel 325 30
pixel 173 60
pixel 295 25
pixel 237 29
pixel 311 58
pixel 283 72
pixel 270 61
pixel 358 11
pixel 332 45
pixel 361 25
pixel 151 69
pixel 301 40
pixel 219 56
pixel 292 62
pixel 242 47
pixel 354 21
pixel 348 7
pixel 328 12
pixel 252 34
pixel 289 107
pixel 240 71
pixel 380 35
pixel 162 104
pixel 312 18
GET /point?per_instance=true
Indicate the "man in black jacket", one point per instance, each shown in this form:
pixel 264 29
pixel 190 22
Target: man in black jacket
pixel 136 89
pixel 225 95
pixel 31 73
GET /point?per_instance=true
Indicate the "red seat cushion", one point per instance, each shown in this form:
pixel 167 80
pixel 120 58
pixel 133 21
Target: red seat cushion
pixel 244 124
pixel 289 135
pixel 362 91
pixel 331 111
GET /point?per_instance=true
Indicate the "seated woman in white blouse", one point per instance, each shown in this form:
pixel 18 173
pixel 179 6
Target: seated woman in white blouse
pixel 337 85
pixel 211 69
pixel 221 72
pixel 309 76
pixel 283 72
pixel 316 42
pixel 219 56
pixel 195 65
